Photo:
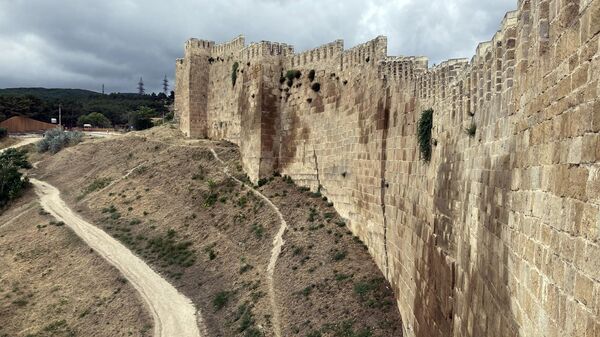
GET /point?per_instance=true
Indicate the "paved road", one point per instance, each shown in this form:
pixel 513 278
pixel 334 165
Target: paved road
pixel 174 314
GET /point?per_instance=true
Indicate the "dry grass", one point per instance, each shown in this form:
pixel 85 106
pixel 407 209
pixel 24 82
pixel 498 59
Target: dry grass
pixel 53 285
pixel 8 141
pixel 212 239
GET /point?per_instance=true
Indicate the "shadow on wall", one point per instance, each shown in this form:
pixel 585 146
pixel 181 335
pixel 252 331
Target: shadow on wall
pixel 444 291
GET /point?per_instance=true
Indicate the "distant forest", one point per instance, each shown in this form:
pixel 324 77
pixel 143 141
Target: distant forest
pixel 42 104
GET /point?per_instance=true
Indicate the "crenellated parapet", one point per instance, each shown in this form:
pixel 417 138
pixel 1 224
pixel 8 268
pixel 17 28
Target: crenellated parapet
pixel 368 53
pixel 265 49
pixel 326 54
pixel 231 48
pixel 198 46
pixel 400 68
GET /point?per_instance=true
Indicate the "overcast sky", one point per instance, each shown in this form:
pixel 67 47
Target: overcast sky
pixel 87 43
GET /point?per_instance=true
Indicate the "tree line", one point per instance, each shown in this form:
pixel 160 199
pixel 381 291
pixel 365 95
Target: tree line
pixel 81 106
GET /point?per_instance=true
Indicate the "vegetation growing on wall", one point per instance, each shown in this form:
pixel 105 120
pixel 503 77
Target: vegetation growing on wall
pixel 234 70
pixel 311 75
pixel 290 75
pixel 424 133
pixel 316 87
pixel 471 130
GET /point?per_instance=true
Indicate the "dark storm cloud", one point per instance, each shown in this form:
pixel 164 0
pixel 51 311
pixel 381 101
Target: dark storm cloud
pixel 85 43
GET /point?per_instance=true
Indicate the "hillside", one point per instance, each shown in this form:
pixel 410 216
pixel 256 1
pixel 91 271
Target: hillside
pixel 170 202
pixel 52 284
pixel 42 104
pixel 50 94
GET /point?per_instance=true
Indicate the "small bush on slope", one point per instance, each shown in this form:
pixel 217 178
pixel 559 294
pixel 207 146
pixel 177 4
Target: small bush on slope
pixel 56 139
pixel 12 182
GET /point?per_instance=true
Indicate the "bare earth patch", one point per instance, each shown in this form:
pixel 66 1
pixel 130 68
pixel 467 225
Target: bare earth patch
pixel 52 284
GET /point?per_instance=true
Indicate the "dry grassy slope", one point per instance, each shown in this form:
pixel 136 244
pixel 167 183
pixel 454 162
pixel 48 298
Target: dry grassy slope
pixel 8 141
pixel 51 284
pixel 213 239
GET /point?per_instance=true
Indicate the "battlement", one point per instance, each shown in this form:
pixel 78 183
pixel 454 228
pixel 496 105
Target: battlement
pixel 194 43
pixel 232 47
pixel 323 53
pixel 401 68
pixel 370 52
pixel 263 49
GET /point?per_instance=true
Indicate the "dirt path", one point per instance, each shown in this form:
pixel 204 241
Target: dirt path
pixel 22 142
pixel 174 314
pixel 275 251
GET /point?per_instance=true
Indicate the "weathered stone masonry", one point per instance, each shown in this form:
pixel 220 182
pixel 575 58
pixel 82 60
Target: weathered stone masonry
pixel 498 235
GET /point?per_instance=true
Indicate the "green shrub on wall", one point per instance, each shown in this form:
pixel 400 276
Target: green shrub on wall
pixel 316 87
pixel 293 74
pixel 234 69
pixel 471 130
pixel 424 133
pixel 311 75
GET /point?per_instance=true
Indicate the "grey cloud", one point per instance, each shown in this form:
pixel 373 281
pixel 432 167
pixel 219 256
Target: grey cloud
pixel 85 43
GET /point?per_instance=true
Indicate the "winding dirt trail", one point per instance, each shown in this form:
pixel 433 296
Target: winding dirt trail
pixel 275 251
pixel 174 314
pixel 23 141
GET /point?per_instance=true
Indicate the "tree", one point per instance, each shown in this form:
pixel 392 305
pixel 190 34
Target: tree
pixel 96 119
pixel 140 118
pixel 12 182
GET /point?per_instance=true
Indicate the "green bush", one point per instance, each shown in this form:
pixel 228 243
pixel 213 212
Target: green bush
pixel 311 75
pixel 316 87
pixel 471 130
pixel 98 184
pixel 292 74
pixel 220 300
pixel 173 252
pixel 424 133
pixel 12 182
pixel 262 181
pixel 56 139
pixel 234 70
pixel 339 255
pixel 140 119
pixel 258 230
pixel 96 119
pixel 3 133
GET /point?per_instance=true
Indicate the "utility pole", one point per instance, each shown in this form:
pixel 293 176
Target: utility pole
pixel 60 116
pixel 141 90
pixel 102 88
pixel 165 85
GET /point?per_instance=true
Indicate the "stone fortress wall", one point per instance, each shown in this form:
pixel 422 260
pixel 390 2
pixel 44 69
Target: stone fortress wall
pixel 498 235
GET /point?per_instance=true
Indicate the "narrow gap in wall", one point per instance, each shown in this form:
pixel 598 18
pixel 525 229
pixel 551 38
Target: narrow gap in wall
pixel 317 170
